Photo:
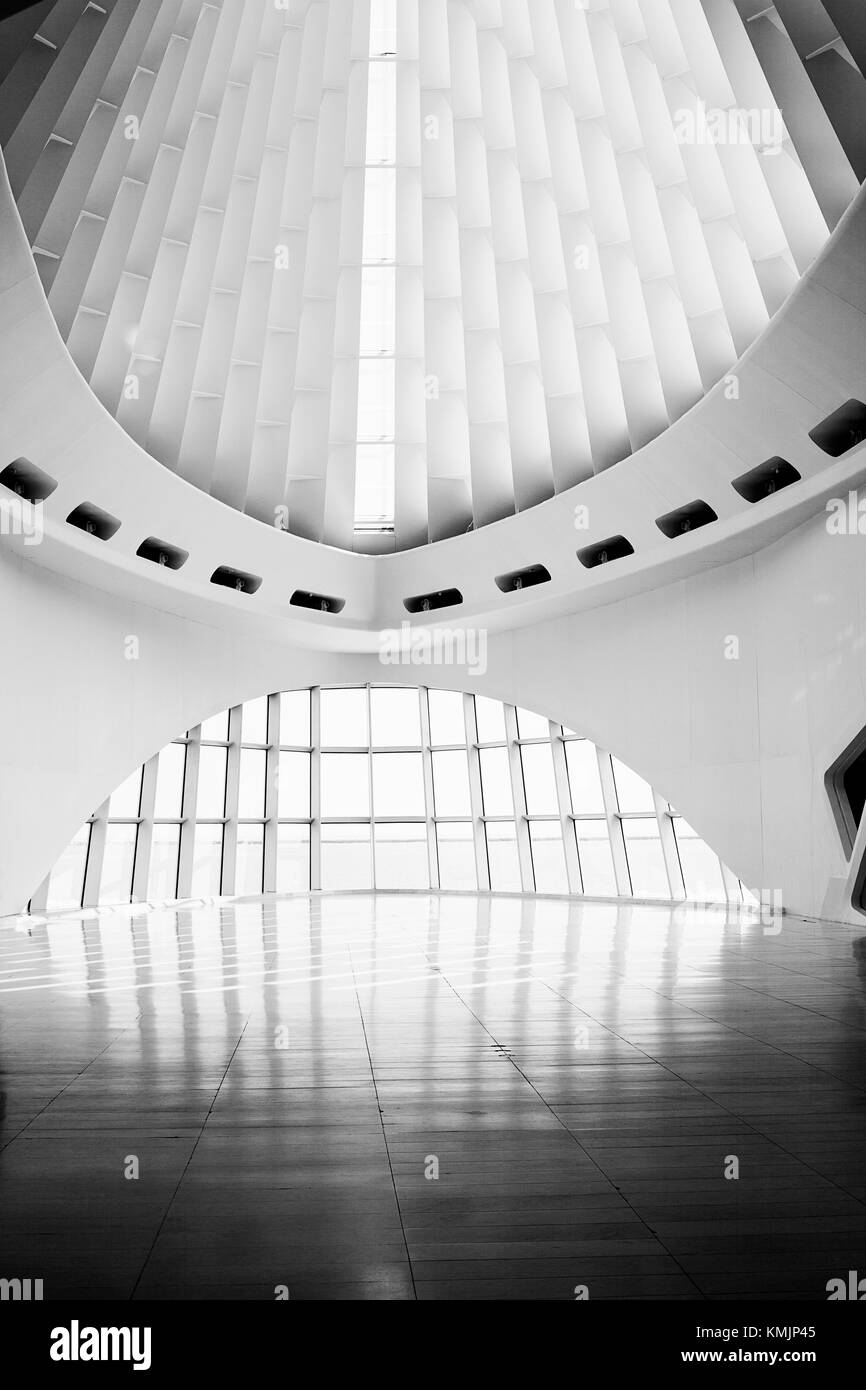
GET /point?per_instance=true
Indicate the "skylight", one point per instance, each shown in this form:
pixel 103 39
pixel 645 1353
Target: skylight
pixel 374 456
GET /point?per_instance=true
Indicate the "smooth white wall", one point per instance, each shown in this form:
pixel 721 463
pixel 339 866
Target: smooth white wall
pixel 739 746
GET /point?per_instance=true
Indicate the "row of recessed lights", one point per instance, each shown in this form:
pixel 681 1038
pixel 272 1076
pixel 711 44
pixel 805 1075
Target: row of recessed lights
pixel 841 431
pixel 838 433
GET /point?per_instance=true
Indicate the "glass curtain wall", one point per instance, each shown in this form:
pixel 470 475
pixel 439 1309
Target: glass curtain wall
pixel 383 787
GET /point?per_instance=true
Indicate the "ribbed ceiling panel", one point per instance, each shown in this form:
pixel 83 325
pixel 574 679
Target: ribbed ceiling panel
pixel 570 273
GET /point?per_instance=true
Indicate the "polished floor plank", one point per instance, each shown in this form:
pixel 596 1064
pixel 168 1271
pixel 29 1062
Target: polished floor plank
pixel 366 1097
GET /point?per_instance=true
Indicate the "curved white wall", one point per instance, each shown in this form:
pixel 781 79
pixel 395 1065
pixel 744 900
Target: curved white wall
pixel 632 653
pixel 740 746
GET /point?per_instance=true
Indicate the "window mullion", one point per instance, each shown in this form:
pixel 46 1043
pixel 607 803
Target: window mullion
pixel 518 792
pixel 272 781
pixel 479 835
pixel 233 779
pixel 144 838
pixel 732 885
pixel 95 857
pixel 671 854
pixel 614 825
pixel 188 806
pixel 563 796
pixel 429 804
pixel 372 848
pixel 316 789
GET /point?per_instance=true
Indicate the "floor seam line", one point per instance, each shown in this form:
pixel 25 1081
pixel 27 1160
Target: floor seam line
pixel 384 1132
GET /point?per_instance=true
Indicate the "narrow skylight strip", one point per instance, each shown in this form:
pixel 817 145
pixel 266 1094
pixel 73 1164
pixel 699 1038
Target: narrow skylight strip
pixel 374 454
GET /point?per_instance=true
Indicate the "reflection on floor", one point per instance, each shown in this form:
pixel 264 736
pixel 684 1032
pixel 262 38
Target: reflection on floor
pixel 435 1098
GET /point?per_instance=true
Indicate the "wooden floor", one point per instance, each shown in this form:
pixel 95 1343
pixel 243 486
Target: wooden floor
pixel 289 1074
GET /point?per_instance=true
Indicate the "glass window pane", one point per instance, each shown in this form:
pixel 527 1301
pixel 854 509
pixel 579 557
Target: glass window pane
pixel 211 797
pixel 344 718
pixel 502 857
pixel 249 863
pixel 398 784
pixel 645 859
pixel 596 859
pixel 548 857
pixel 116 885
pixel 251 793
pixel 401 856
pixel 531 725
pixel 346 861
pixel 633 793
pixel 293 785
pixel 447 724
pixel 378 289
pixel 293 858
pixel 217 727
pixel 380 215
pixel 207 861
pixel 381 114
pixel 489 719
pixel 345 784
pixel 395 717
pixel 583 777
pixel 702 871
pixel 383 26
pixel 254 724
pixel 125 801
pixel 169 782
pixel 451 784
pixel 496 782
pixel 456 857
pixel 67 876
pixel 538 780
pixel 376 378
pixel 374 487
pixel 162 874
pixel 295 717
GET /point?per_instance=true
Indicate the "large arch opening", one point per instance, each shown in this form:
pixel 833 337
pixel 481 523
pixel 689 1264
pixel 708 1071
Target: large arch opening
pixel 382 788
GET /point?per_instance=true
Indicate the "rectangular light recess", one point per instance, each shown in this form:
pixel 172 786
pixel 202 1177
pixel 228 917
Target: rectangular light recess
pixel 94 521
pixel 526 578
pixel 236 579
pixel 614 548
pixel 841 431
pixel 24 478
pixel 684 519
pixel 324 603
pixel 769 477
pixel 162 553
pixel 427 603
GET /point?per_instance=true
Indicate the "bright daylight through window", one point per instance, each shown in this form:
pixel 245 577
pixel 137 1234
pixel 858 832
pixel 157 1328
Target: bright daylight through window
pixel 374 462
pixel 403 788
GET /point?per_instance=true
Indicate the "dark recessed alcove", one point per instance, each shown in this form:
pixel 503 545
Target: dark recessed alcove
pixel 236 579
pixel 691 517
pixel 767 478
pixel 844 429
pixel 24 478
pixel 602 552
pixel 525 578
pixel 162 553
pixel 427 603
pixel 323 603
pixel 94 521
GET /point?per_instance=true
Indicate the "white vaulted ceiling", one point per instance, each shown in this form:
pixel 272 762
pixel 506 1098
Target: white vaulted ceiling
pixel 209 207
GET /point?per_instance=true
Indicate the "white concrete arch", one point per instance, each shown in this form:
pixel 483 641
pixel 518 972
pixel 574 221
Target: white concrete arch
pixel 739 743
pixel 600 207
pixel 632 652
pixel 383 786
